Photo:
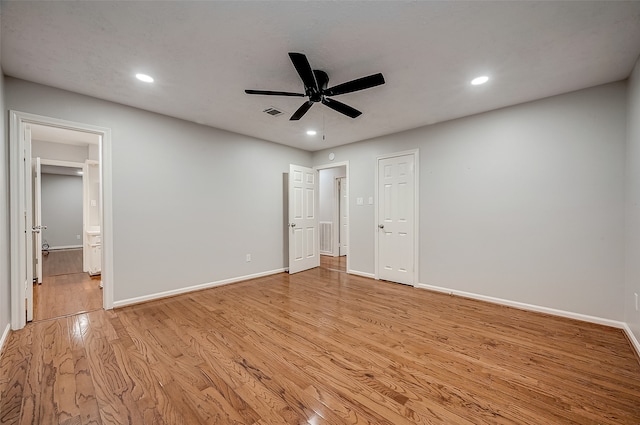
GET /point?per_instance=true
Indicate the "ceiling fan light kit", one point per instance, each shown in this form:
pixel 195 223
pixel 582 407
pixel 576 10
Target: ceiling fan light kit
pixel 315 88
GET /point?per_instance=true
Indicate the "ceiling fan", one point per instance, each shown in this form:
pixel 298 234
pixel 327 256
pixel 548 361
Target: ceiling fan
pixel 315 88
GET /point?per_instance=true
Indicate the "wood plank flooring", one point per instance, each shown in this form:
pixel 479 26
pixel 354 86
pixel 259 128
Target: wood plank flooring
pixel 61 295
pixel 334 263
pixel 65 261
pixel 318 347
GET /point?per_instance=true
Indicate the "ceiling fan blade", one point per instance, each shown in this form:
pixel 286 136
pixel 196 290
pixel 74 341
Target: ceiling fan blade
pixel 273 93
pixel 303 67
pixel 355 85
pixel 341 107
pixel 301 111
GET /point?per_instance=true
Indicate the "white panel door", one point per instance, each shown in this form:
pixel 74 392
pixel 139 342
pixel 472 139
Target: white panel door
pixel 304 244
pixel 344 218
pixel 37 218
pixel 27 204
pixel 396 180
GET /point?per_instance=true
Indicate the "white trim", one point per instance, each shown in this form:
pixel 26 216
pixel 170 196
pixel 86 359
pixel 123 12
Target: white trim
pixel 57 163
pixel 525 306
pixel 632 338
pixel 16 120
pixel 18 305
pixel 165 294
pixel 363 274
pixel 416 212
pixel 335 246
pixel 346 165
pixel 332 165
pixel 4 337
pixel 53 248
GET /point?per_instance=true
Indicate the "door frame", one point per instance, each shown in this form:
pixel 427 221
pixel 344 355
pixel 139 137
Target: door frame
pixel 17 184
pixel 335 248
pixel 416 212
pixel 336 165
pixel 85 211
pixel 37 217
pixel 338 217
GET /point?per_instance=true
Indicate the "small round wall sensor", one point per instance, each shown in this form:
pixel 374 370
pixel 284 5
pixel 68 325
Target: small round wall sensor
pixel 332 156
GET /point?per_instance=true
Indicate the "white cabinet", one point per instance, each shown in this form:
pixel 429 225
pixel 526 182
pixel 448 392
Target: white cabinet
pixel 95 252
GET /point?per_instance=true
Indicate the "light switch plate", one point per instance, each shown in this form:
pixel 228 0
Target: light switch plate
pixel 359 201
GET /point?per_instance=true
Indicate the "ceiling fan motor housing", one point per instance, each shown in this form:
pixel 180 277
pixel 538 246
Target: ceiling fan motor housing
pixel 322 79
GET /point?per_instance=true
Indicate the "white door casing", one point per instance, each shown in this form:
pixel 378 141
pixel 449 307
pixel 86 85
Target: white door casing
pixel 343 201
pixel 303 219
pixel 37 217
pixel 20 190
pixel 396 258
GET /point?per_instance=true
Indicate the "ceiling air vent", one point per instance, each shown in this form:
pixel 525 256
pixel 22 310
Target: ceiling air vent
pixel 273 111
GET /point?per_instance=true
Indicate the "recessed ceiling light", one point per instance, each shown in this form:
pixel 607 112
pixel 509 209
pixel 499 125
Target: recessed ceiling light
pixel 145 78
pixel 479 80
pixel 311 132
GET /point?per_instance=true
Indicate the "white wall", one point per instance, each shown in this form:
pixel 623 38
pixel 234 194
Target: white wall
pixel 523 203
pixel 62 210
pixel 632 269
pixel 189 201
pixel 5 276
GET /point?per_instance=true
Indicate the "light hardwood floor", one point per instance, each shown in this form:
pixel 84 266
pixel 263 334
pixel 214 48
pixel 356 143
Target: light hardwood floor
pixel 334 263
pixel 65 261
pixel 318 347
pixel 66 294
pixel 65 289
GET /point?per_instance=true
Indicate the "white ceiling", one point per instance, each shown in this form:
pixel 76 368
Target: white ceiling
pixel 204 54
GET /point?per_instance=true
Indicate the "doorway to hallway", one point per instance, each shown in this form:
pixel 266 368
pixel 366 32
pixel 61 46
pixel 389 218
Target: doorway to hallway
pixel 333 214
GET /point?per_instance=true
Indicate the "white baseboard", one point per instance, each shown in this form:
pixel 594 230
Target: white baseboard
pixel 632 338
pixel 5 334
pixel 179 291
pixel 54 248
pixel 363 274
pixel 525 306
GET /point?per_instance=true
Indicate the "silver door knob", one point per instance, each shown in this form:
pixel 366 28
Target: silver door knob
pixel 381 226
pixel 293 225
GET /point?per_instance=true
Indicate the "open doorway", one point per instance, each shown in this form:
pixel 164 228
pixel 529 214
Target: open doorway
pixel 333 214
pixel 21 213
pixel 66 216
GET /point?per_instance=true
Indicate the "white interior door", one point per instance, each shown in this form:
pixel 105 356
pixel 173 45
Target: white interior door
pixel 396 226
pixel 343 199
pixel 37 218
pixel 304 245
pixel 26 266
